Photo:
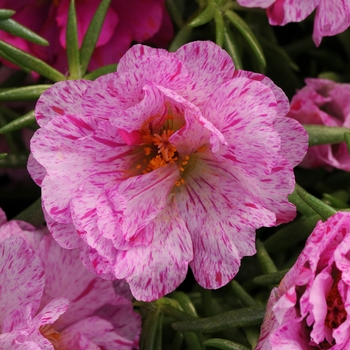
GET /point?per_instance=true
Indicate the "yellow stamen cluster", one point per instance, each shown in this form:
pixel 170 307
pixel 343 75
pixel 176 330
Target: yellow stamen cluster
pixel 159 151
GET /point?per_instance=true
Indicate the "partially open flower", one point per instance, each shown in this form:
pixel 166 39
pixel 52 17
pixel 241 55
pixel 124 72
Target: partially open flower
pixel 49 300
pixel 309 310
pixel 175 159
pixel 332 16
pixel 324 102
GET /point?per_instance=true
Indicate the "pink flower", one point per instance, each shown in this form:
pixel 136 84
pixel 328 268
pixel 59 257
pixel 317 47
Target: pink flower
pixel 309 310
pixel 175 159
pixel 126 21
pixel 324 102
pixel 332 16
pixel 49 300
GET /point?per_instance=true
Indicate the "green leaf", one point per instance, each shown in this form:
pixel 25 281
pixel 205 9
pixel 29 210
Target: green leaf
pixel 291 234
pixel 5 14
pixel 19 123
pixel 3 155
pixel 31 62
pixel 185 303
pixel 16 29
pixel 224 344
pixel 231 47
pixel 12 60
pixel 248 35
pixel 72 43
pixel 219 28
pixel 150 328
pixel 248 316
pixel 347 140
pixel 92 34
pixel 14 161
pixel 271 278
pixel 192 341
pixel 321 208
pixel 204 17
pixel 242 295
pixel 111 68
pixel 181 38
pixel 266 263
pixel 27 93
pixel 302 207
pixel 33 214
pixel 320 134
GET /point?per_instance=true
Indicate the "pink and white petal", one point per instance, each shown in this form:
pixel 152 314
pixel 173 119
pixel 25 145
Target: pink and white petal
pixel 3 219
pixel 208 66
pixel 282 12
pixel 64 98
pixel 8 342
pixel 36 170
pixel 138 200
pixel 124 319
pixel 256 3
pixel 281 98
pixel 50 312
pixel 332 17
pixel 318 301
pixel 221 236
pixel 204 129
pixel 67 277
pixel 22 276
pixel 157 269
pixel 64 234
pixel 294 140
pixel 156 65
pixel 93 331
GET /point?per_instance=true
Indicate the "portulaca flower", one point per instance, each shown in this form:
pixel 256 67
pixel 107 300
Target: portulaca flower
pixel 174 160
pixel 49 301
pixel 332 16
pixel 309 310
pixel 323 102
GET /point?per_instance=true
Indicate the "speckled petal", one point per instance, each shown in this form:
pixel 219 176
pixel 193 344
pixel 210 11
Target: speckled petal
pixel 22 277
pixel 208 67
pixel 63 99
pixel 67 277
pixel 161 266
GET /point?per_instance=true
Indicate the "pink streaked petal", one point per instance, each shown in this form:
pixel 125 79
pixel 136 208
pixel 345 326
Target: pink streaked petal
pixel 281 98
pixel 64 98
pixel 294 140
pixel 208 66
pixel 93 333
pixel 341 254
pixel 317 299
pixel 282 12
pixel 67 277
pixel 159 66
pixel 138 200
pixel 221 236
pixel 332 17
pixel 22 276
pixel 36 170
pixel 256 3
pixel 8 342
pixel 157 269
pixel 64 234
pixel 196 123
pixel 51 312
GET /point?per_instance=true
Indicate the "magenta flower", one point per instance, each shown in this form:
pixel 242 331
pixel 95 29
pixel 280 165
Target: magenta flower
pixel 309 310
pixel 332 16
pixel 175 159
pixel 126 21
pixel 49 300
pixel 324 102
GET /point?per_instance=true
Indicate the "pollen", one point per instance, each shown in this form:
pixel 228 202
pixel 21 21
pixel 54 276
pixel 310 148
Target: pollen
pixel 48 332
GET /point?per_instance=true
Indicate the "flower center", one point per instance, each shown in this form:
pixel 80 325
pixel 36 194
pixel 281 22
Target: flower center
pixel 158 151
pixel 51 335
pixel 336 313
